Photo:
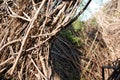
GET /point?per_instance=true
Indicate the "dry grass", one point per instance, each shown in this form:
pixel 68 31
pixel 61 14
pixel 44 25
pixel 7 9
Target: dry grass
pixel 109 24
pixel 95 54
pixel 102 47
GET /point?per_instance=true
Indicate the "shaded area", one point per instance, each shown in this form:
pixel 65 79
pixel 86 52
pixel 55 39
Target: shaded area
pixel 65 58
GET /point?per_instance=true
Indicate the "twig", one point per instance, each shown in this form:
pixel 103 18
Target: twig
pixel 59 14
pixel 38 68
pixel 45 21
pixel 11 42
pixel 6 61
pixel 28 17
pixel 43 63
pixel 21 71
pixel 17 16
pixel 47 34
pixel 4 38
pixel 91 47
pixel 38 44
pixel 37 75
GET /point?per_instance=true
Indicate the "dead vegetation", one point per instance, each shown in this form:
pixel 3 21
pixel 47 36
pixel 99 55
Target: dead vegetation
pixel 95 54
pixel 109 25
pixel 26 29
pixel 102 47
pixel 30 47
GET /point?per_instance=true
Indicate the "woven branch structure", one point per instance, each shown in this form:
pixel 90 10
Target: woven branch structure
pixel 27 28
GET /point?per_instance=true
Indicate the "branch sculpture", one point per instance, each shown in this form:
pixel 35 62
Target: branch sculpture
pixel 26 29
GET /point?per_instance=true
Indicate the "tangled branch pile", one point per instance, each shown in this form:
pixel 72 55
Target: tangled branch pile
pixel 26 29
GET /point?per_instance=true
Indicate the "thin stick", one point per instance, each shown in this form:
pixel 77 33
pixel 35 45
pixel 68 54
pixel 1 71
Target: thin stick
pixel 11 42
pixel 9 59
pixel 17 16
pixel 38 69
pixel 42 35
pixel 38 44
pixel 43 63
pixel 4 38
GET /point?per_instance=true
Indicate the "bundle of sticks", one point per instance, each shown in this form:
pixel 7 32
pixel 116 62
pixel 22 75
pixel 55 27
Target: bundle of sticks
pixel 26 30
